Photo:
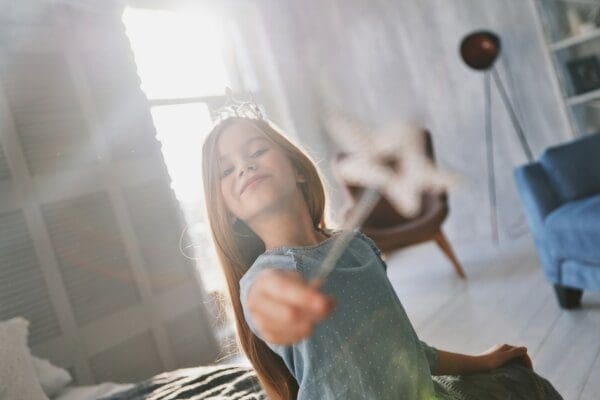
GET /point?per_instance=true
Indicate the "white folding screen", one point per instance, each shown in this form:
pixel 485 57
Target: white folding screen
pixel 89 226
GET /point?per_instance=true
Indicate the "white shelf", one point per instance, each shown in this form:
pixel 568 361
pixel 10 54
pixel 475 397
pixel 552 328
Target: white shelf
pixel 547 18
pixel 575 40
pixel 583 98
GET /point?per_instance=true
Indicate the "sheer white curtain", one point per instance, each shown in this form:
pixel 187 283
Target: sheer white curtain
pixel 386 60
pixel 272 65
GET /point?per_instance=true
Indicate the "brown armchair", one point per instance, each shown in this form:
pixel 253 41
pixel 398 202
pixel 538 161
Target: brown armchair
pixel 391 231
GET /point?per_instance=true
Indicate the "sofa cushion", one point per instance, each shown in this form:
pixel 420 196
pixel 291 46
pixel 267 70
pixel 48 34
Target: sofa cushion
pixel 573 230
pixel 574 168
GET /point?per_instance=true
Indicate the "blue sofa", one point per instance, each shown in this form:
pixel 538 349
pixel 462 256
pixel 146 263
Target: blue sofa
pixel 561 197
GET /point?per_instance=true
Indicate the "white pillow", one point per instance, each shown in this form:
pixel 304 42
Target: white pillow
pixel 52 378
pixel 17 374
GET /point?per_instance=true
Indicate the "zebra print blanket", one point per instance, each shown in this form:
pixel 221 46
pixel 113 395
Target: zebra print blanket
pixel 235 382
pixel 223 382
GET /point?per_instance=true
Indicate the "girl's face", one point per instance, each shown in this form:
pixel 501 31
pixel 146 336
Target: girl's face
pixel 244 154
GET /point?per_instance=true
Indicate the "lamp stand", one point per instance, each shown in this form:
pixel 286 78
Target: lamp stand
pixel 489 140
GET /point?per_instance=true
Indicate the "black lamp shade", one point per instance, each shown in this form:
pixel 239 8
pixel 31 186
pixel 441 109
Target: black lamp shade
pixel 480 49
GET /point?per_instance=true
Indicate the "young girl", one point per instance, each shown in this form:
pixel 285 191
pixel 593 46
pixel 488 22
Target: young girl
pixel 349 338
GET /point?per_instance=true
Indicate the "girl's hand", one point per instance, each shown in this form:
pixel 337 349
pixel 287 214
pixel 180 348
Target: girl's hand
pixel 285 308
pixel 500 354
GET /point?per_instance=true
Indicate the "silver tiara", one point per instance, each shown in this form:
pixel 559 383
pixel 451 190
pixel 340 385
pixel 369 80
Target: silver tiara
pixel 237 108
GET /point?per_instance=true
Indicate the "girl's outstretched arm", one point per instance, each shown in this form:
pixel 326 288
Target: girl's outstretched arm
pixel 462 364
pixel 283 307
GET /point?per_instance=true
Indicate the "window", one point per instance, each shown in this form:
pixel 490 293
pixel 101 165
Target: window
pixel 179 58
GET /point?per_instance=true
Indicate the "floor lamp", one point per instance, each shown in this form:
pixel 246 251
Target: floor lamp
pixel 479 50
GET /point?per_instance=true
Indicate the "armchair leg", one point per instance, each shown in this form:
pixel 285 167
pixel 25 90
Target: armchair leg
pixel 568 297
pixel 443 244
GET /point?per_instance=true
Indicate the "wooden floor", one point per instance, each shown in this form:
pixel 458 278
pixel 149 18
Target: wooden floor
pixel 505 299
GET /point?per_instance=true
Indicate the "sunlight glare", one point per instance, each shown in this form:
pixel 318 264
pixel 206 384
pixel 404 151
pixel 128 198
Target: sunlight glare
pixel 181 129
pixel 177 54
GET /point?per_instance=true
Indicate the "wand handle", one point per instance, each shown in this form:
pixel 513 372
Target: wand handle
pixel 359 213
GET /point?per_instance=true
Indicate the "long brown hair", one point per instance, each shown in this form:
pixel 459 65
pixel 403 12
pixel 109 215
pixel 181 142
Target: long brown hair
pixel 237 246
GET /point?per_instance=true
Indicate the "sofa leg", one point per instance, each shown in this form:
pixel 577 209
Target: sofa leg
pixel 568 297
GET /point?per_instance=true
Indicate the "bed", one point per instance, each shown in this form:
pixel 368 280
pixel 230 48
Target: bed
pixel 23 376
pixel 205 382
pixel 91 392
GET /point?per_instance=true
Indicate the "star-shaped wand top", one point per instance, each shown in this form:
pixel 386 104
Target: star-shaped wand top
pixel 392 160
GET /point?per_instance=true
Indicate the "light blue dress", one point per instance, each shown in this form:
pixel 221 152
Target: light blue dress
pixel 367 348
